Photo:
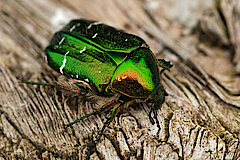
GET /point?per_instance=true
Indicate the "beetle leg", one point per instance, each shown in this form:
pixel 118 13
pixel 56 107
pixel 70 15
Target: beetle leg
pixel 150 116
pixel 154 111
pixel 114 112
pixel 164 64
pixel 104 107
pixel 55 85
pixel 83 85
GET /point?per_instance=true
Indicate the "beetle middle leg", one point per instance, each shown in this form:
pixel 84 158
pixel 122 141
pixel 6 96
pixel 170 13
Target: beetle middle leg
pixel 113 113
pixel 104 107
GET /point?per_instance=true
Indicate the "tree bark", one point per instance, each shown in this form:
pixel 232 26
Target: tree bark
pixel 199 120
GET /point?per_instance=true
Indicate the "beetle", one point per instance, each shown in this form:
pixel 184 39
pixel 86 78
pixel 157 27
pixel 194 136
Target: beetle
pixel 110 61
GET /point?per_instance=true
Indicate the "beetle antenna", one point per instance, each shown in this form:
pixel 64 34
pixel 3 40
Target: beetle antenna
pixel 164 64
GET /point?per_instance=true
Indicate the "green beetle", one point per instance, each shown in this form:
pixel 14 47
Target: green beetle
pixel 110 61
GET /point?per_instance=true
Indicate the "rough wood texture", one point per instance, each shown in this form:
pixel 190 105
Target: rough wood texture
pixel 201 116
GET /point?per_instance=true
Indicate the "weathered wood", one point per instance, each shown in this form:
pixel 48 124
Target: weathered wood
pixel 231 14
pixel 201 116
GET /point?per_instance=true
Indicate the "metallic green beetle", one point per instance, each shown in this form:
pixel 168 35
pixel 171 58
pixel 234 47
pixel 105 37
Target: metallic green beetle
pixel 110 61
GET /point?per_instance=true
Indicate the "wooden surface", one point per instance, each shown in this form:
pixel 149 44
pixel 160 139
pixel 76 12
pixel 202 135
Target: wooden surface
pixel 201 116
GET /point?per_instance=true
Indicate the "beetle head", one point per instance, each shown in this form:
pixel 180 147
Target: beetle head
pixel 158 96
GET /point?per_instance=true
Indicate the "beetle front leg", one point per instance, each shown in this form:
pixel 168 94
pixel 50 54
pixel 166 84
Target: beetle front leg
pixel 164 64
pixel 150 115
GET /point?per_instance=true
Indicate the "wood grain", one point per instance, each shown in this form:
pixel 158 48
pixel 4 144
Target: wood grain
pixel 199 120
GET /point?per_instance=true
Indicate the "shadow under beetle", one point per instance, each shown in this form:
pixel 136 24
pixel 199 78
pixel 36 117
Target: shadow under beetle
pixel 110 61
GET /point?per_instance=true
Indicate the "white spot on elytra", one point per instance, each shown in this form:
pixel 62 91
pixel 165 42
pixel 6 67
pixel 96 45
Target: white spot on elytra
pixel 86 80
pixel 95 35
pixel 72 28
pixel 94 23
pixel 61 40
pixel 84 49
pixel 64 62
